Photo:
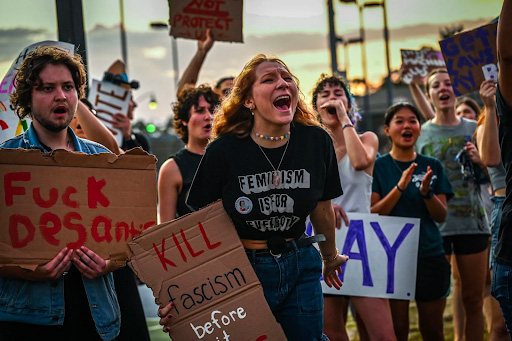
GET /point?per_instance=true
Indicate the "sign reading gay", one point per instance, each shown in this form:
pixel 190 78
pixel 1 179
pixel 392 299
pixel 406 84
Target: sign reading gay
pixel 109 99
pixel 471 58
pixel 190 19
pixel 68 199
pixel 199 263
pixel 382 254
pixel 417 64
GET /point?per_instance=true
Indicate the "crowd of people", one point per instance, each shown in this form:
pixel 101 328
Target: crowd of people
pixel 446 156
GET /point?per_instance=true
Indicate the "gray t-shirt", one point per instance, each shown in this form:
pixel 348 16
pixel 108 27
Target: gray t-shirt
pixel 466 213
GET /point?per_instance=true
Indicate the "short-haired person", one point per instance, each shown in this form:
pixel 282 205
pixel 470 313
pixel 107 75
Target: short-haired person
pixel 502 267
pixel 264 129
pixel 193 120
pixel 45 304
pixel 355 154
pixel 408 184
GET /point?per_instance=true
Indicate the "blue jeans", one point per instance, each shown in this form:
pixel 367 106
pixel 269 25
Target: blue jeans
pixel 501 289
pixel 291 284
pixel 495 225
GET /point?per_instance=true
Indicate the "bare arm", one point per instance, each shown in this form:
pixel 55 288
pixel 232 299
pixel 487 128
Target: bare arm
pixel 322 218
pixel 191 73
pixel 385 205
pixel 95 130
pixel 421 101
pixel 169 186
pixel 487 134
pixel 505 51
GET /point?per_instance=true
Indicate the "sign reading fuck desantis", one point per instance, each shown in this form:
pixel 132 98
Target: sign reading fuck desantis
pixel 191 18
pixel 198 263
pixel 382 251
pixel 417 64
pixel 10 124
pixel 471 58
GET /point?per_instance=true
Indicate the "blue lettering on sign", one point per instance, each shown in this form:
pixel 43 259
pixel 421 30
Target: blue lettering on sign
pixel 391 251
pixel 356 232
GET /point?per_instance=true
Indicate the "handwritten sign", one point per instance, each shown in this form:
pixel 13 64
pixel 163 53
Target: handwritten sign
pixel 416 64
pixel 109 99
pixel 471 58
pixel 10 124
pixel 383 253
pixel 190 19
pixel 53 200
pixel 199 263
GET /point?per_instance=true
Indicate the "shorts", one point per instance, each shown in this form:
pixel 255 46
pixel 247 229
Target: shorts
pixel 465 244
pixel 432 278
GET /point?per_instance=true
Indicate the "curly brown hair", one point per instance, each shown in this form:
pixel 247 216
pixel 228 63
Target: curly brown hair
pixel 233 117
pixel 187 99
pixel 28 75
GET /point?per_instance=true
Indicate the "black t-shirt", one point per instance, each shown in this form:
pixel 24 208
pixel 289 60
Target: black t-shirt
pixel 503 250
pixel 187 162
pixel 139 141
pixel 236 171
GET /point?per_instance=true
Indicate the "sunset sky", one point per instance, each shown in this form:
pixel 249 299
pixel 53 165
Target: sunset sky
pixel 295 31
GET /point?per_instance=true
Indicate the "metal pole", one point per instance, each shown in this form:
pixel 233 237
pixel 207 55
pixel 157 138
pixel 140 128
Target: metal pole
pixel 333 40
pixel 174 50
pixel 366 98
pixel 123 36
pixel 386 39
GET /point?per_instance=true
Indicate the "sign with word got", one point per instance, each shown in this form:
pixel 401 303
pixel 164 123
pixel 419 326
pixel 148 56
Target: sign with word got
pixel 382 252
pixel 199 263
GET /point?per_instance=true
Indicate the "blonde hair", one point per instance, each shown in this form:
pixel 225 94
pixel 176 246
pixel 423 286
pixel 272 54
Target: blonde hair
pixel 232 117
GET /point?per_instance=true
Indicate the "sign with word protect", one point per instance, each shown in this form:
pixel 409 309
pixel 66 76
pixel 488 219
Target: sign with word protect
pixel 109 99
pixel 190 19
pixel 199 263
pixel 471 58
pixel 10 124
pixel 382 252
pixel 53 200
pixel 416 64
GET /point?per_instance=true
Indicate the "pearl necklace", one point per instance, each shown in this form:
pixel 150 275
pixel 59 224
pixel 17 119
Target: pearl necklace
pixel 272 138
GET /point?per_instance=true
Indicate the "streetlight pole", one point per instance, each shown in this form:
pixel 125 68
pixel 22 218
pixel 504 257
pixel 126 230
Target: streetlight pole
pixel 174 49
pixel 123 35
pixel 386 40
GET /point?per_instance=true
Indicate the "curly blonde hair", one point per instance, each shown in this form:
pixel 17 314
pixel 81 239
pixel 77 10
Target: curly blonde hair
pixel 233 117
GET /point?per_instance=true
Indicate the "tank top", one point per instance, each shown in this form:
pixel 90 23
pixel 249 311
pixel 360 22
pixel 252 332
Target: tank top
pixel 357 188
pixel 187 163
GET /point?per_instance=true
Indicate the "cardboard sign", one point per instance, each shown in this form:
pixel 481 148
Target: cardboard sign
pixel 190 19
pixel 109 99
pixel 10 124
pixel 382 252
pixel 199 263
pixel 471 58
pixel 58 199
pixel 416 64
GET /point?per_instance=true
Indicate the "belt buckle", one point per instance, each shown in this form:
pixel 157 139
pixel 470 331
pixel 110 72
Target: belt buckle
pixel 277 255
pixel 276 245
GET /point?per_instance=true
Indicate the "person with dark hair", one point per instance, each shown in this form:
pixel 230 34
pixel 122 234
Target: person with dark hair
pixel 408 184
pixel 191 73
pixel 66 298
pixel 465 231
pixel 356 155
pixel 502 266
pixel 193 118
pixel 264 130
pixel 467 108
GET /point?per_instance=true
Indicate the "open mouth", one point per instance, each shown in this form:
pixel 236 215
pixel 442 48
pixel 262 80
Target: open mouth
pixel 283 103
pixel 407 135
pixel 60 110
pixel 444 97
pixel 331 111
pixel 208 126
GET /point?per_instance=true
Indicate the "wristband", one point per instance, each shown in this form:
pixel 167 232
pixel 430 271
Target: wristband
pixel 327 260
pixel 347 125
pixel 399 189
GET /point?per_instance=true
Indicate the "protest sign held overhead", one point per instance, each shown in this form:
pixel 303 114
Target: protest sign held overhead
pixel 416 64
pixel 382 251
pixel 199 263
pixel 69 199
pixel 471 58
pixel 10 124
pixel 190 19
